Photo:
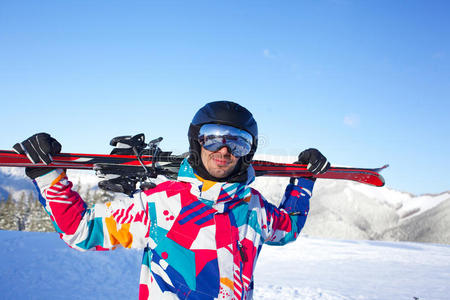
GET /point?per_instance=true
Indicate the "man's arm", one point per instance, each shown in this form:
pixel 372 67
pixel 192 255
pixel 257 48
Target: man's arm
pixel 123 222
pixel 285 223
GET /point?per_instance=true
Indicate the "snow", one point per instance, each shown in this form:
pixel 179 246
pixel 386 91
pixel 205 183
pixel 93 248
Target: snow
pixel 345 269
pixel 41 266
pixel 421 204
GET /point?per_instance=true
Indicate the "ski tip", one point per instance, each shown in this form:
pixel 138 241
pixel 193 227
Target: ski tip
pixel 382 181
pixel 382 168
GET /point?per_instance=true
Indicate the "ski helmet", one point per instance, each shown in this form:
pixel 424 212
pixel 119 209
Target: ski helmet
pixel 225 113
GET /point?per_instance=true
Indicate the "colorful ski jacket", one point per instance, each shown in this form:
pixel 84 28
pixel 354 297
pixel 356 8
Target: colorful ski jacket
pixel 201 239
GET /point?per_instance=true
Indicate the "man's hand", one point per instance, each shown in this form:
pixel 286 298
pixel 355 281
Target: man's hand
pixel 38 148
pixel 317 163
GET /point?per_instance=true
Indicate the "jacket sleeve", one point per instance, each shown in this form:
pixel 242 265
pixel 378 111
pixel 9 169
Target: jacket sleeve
pixel 122 222
pixel 284 223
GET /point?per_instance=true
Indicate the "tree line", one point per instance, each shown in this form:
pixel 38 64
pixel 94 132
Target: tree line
pixel 24 212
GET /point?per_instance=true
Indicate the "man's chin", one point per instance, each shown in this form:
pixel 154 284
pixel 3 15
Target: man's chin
pixel 220 173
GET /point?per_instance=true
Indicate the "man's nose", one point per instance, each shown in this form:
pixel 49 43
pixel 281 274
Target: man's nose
pixel 224 150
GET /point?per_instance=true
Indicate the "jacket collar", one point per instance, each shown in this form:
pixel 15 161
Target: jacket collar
pixel 219 195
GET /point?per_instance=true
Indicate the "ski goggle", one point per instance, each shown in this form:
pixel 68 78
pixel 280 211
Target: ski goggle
pixel 215 136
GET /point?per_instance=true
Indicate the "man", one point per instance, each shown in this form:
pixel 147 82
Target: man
pixel 201 234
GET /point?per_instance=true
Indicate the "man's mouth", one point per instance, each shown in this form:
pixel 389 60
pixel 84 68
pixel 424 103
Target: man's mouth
pixel 221 161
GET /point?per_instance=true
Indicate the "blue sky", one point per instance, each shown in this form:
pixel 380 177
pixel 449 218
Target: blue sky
pixel 366 82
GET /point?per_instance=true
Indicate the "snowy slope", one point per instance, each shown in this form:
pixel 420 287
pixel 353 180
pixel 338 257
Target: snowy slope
pixel 40 266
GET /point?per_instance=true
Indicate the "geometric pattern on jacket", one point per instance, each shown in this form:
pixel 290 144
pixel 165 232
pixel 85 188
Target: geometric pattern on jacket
pixel 201 239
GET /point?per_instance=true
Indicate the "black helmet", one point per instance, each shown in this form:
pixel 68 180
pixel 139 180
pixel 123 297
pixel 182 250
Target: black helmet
pixel 225 113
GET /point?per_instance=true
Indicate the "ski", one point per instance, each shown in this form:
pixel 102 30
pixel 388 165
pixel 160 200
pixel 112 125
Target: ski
pixel 362 175
pixel 167 164
pixel 85 161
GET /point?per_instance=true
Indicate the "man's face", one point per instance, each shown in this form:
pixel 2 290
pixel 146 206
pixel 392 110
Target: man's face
pixel 220 163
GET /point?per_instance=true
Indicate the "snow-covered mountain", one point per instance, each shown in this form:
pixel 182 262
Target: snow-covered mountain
pixel 339 209
pixel 347 210
pixel 13 181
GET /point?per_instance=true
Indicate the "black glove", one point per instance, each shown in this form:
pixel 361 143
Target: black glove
pixel 317 163
pixel 38 148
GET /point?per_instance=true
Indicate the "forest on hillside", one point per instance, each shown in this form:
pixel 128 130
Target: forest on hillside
pixel 24 212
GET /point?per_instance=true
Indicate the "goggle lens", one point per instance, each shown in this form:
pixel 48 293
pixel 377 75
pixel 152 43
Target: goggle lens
pixel 215 136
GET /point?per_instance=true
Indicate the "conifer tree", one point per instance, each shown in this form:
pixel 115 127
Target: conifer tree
pixel 39 219
pixel 22 212
pixel 8 211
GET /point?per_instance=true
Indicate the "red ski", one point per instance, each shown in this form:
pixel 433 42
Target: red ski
pixel 167 164
pixel 367 176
